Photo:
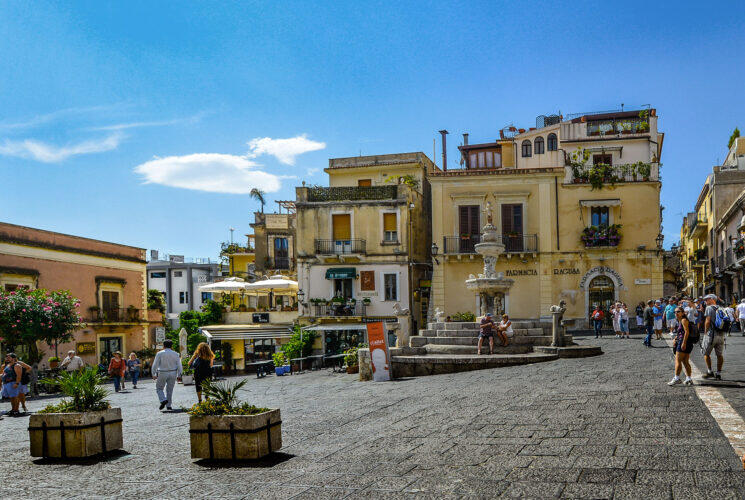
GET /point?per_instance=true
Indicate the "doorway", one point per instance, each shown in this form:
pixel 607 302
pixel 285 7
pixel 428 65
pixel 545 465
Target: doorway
pixel 108 346
pixel 343 288
pixel 602 292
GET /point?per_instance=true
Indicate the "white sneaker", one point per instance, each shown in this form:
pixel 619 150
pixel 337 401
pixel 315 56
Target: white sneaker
pixel 675 381
pixel 688 381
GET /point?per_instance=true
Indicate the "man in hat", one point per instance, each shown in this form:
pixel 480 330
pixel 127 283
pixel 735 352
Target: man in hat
pixel 714 338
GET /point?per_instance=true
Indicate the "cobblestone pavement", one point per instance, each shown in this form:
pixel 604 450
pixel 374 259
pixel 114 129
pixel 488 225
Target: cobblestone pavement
pixel 598 427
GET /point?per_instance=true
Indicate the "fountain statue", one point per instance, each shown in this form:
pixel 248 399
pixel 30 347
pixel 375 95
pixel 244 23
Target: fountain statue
pixel 490 286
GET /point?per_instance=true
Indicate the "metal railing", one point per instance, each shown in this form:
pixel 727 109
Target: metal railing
pixel 337 309
pixel 117 315
pixel 342 193
pixel 518 243
pixel 340 247
pixel 720 264
pixel 281 263
pixel 729 257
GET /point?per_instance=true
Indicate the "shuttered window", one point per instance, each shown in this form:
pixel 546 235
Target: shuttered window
pixel 342 228
pixel 364 182
pixel 469 220
pixel 512 227
pixel 390 227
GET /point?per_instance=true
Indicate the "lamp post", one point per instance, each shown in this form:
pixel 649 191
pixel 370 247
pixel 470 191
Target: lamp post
pixel 658 240
pixel 434 251
pixel 300 297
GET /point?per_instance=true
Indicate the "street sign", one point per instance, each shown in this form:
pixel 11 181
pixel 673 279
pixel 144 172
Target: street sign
pixel 160 334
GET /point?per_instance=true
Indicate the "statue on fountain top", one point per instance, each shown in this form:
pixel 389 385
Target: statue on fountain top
pixel 488 212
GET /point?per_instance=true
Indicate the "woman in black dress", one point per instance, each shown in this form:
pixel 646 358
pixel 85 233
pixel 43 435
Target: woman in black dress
pixel 201 363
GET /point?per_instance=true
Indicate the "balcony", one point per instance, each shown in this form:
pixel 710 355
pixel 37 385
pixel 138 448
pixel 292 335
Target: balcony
pixel 601 236
pixel 603 175
pixel 698 226
pixel 281 263
pixel 340 247
pixel 514 243
pixel 335 309
pixel 352 193
pixel 700 256
pixel 129 315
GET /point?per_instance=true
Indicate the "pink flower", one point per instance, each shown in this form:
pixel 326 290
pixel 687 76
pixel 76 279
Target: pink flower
pixel 23 310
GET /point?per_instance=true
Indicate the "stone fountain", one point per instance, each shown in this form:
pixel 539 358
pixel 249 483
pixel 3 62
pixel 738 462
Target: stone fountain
pixel 490 286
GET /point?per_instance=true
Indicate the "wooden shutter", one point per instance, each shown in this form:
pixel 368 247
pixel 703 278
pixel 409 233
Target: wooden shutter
pixel 469 219
pixel 364 182
pixel 342 227
pixel 512 218
pixel 390 222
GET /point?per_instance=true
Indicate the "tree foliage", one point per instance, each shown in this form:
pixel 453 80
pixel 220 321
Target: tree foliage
pixel 210 314
pixel 155 300
pixel 300 343
pixel 258 195
pixel 735 135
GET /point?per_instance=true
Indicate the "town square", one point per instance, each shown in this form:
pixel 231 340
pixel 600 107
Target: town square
pixel 327 250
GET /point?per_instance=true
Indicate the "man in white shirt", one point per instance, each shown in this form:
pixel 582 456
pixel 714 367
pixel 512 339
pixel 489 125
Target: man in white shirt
pixel 741 315
pixel 166 369
pixel 72 362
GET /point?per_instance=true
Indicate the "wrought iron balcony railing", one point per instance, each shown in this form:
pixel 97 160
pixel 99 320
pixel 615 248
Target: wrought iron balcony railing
pixel 117 315
pixel 466 244
pixel 281 263
pixel 338 309
pixel 340 247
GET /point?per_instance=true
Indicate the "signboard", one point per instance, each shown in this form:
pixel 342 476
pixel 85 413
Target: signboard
pixel 378 340
pixel 275 221
pixel 643 281
pixel 260 317
pixel 367 294
pixel 521 272
pixel 566 270
pixel 367 280
pixel 86 347
pixel 160 334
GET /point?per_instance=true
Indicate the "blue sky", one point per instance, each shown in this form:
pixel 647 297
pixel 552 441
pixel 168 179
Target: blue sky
pixel 207 99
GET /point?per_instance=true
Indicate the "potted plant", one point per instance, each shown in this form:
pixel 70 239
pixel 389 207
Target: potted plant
pixel 223 428
pixel 187 374
pixel 53 362
pixel 94 310
pixel 82 426
pixel 366 301
pixel 351 360
pixel 132 314
pixel 279 363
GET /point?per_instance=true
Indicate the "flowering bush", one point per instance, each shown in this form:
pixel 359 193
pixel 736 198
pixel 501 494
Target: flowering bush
pixel 601 236
pixel 31 316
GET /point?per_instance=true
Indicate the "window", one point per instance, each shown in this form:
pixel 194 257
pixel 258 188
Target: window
pixel 526 149
pixel 12 287
pixel 604 159
pixel 390 227
pixel 599 216
pixel 183 297
pixel 281 253
pixel 206 296
pixel 512 227
pixel 342 227
pixel 110 305
pixel 364 182
pixel 472 161
pixel 468 221
pixel 177 274
pixel 159 274
pixel 389 283
pixel 552 143
pixel 538 145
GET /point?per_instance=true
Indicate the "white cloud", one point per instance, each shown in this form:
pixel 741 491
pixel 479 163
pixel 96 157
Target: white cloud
pixel 285 150
pixel 162 123
pixel 40 151
pixel 212 172
pixel 56 115
pixel 312 171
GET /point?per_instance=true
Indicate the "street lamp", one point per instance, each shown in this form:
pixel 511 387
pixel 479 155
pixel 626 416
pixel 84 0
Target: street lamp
pixel 300 297
pixel 434 250
pixel 659 239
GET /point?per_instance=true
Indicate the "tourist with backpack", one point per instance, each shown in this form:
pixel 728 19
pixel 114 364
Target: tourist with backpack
pixel 686 336
pixel 716 325
pixel 11 383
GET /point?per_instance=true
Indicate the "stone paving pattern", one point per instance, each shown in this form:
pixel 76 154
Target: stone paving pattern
pixel 600 427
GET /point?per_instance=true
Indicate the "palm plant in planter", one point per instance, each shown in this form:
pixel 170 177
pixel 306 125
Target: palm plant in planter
pixel 187 374
pixel 223 428
pixel 82 426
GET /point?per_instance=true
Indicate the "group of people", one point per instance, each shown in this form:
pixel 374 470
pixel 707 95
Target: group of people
pixel 619 313
pixel 167 368
pixel 488 329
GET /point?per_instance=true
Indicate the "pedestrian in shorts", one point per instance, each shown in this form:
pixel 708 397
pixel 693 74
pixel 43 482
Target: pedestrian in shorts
pixel 714 338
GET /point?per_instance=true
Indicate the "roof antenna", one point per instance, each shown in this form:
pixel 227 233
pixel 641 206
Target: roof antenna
pixel 621 106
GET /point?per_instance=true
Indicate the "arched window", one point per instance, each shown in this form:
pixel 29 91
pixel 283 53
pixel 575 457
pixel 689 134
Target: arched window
pixel 527 146
pixel 553 144
pixel 538 145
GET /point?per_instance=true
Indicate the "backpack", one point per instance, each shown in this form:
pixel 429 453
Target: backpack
pixel 722 322
pixel 25 376
pixel 693 335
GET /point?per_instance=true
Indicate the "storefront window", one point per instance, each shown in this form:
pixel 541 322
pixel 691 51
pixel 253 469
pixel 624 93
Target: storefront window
pixel 260 349
pixel 339 341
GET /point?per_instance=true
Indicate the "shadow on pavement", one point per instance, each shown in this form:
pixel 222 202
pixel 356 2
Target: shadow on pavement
pixel 261 463
pixel 94 460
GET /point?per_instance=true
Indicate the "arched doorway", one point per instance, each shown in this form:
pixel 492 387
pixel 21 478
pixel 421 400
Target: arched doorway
pixel 601 292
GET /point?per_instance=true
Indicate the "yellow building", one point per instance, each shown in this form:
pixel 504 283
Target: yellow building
pixel 576 204
pixel 363 245
pixel 241 259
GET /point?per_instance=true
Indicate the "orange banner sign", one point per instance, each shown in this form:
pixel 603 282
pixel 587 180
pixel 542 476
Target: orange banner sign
pixel 381 364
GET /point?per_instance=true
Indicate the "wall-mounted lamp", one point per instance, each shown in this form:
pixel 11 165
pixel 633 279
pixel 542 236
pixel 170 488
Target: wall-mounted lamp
pixel 434 250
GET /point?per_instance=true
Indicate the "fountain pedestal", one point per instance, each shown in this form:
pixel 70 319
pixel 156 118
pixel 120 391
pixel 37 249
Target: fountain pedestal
pixel 491 287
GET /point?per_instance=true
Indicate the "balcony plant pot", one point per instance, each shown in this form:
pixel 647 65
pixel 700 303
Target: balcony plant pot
pixel 235 437
pixel 75 435
pixel 353 369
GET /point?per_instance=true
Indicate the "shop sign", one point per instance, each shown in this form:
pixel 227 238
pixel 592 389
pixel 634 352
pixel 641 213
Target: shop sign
pixel 367 281
pixel 643 281
pixel 378 340
pixel 160 334
pixel 521 272
pixel 364 293
pixel 260 317
pixel 86 347
pixel 566 270
pixel 275 221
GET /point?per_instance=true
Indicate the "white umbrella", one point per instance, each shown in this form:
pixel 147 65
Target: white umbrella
pixel 227 286
pixel 276 283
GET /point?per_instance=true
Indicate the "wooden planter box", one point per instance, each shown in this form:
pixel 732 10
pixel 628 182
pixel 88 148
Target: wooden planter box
pixel 235 437
pixel 353 369
pixel 75 435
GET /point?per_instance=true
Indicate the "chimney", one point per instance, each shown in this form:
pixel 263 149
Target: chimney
pixel 443 133
pixel 465 139
pixel 153 255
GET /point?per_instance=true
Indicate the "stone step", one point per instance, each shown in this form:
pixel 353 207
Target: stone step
pixel 473 349
pixel 419 341
pixel 571 351
pixel 414 366
pixel 519 323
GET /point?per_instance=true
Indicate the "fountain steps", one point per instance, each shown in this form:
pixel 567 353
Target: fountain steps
pixel 519 332
pixel 432 364
pixel 471 340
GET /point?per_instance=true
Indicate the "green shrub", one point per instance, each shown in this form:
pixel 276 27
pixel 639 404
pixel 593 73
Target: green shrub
pixel 222 399
pixel 466 317
pixel 84 387
pixel 279 358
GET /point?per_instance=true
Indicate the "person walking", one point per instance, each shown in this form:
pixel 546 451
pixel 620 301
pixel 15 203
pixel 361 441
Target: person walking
pixel 648 317
pixel 729 310
pixel 639 314
pixel 117 367
pixel 72 362
pixel 715 327
pixel 623 320
pixel 166 369
pixel 133 367
pixel 741 316
pixel 613 312
pixel 11 383
pixel 486 331
pixel 686 337
pixel 658 313
pixel 596 319
pixel 670 317
pixel 201 362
